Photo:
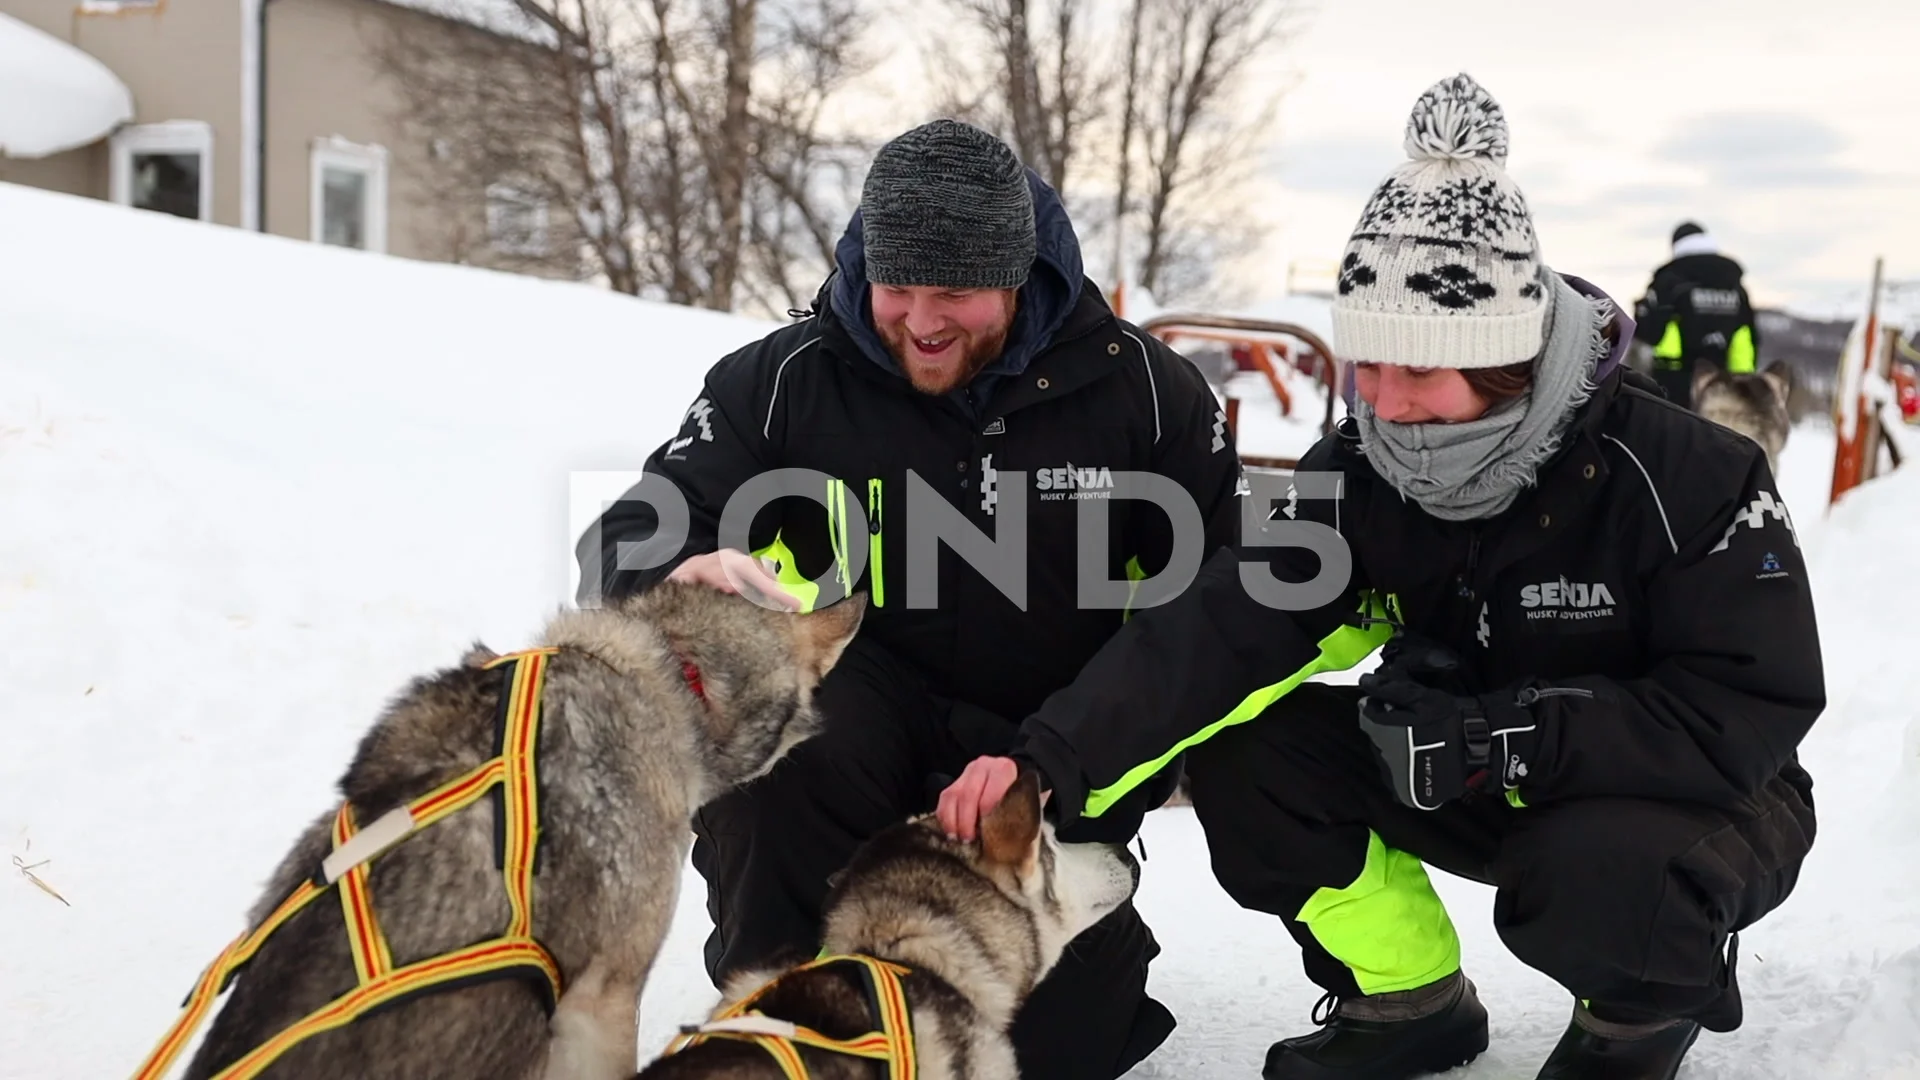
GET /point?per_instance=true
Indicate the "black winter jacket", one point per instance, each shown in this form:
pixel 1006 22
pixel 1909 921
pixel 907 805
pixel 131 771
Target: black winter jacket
pixel 1081 396
pixel 1705 298
pixel 1653 567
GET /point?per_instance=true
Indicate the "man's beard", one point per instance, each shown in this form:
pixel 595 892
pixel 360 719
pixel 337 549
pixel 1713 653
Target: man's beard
pixel 944 379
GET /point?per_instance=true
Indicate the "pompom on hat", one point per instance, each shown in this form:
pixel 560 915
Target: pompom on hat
pixel 1443 269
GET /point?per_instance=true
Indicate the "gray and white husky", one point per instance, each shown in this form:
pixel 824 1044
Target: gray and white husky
pixel 1755 405
pixel 977 924
pixel 628 748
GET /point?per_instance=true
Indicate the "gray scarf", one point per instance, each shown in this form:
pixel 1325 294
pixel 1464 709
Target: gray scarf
pixel 1476 469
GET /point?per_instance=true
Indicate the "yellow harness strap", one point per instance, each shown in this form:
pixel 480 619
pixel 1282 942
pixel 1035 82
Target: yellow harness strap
pixel 514 953
pixel 893 1043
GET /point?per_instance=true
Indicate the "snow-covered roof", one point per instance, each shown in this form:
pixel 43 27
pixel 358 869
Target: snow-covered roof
pixel 503 17
pixel 53 97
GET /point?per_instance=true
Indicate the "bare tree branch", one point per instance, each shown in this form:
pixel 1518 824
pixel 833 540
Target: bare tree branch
pixel 1130 83
pixel 1192 143
pixel 1042 111
pixel 1140 111
pixel 676 142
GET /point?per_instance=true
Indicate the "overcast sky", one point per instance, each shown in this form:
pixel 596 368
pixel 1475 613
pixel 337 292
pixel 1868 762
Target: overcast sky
pixel 1790 129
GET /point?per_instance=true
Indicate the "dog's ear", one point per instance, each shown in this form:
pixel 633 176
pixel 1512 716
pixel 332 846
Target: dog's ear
pixel 821 636
pixel 1703 374
pixel 1779 375
pixel 478 656
pixel 1010 833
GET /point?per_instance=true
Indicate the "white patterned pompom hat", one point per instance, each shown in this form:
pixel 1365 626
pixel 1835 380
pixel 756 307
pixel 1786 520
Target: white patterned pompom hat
pixel 1444 268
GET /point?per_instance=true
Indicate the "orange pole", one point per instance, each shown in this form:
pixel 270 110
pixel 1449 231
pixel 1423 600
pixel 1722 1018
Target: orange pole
pixel 1850 446
pixel 1263 360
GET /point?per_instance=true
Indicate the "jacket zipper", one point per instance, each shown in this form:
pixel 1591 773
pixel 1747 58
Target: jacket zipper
pixel 1530 694
pixel 837 495
pixel 874 547
pixel 1464 580
pixel 1467 590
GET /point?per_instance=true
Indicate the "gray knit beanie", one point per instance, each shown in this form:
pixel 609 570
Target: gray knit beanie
pixel 947 205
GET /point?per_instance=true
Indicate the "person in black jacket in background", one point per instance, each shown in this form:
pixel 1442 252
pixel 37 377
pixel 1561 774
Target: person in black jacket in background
pixel 957 345
pixel 1603 658
pixel 1695 312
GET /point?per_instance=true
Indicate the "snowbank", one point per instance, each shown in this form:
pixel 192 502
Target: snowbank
pixel 250 486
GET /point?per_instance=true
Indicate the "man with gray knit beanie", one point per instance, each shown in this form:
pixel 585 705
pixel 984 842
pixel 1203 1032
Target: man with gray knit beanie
pixel 950 240
pixel 956 345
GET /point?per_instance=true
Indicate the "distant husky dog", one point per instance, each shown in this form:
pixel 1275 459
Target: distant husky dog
pixel 1753 405
pixel 976 924
pixel 652 706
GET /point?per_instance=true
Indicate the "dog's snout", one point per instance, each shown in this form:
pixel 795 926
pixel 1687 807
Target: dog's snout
pixel 1132 864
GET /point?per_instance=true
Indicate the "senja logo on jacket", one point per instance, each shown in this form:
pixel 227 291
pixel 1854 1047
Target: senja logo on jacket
pixel 1567 599
pixel 1074 479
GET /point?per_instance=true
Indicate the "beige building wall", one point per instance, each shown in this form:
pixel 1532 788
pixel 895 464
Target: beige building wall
pixel 181 59
pixel 324 81
pixel 321 83
pixel 188 60
pixel 76 172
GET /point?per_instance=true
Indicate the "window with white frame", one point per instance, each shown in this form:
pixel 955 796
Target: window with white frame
pixel 516 220
pixel 349 195
pixel 166 167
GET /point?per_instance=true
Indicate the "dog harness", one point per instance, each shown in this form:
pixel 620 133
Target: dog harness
pixel 510 777
pixel 893 1043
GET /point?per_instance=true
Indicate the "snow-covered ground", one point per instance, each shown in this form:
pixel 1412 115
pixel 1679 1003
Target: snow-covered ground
pixel 249 486
pixel 1263 430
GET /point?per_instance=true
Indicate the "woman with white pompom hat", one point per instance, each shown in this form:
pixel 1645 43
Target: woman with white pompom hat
pixel 1599 658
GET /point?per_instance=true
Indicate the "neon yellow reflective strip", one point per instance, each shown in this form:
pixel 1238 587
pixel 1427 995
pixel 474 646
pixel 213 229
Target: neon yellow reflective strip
pixel 788 576
pixel 837 532
pixel 1340 650
pixel 833 524
pixel 1135 575
pixel 843 537
pixel 1740 352
pixel 1669 347
pixel 1514 800
pixel 878 580
pixel 1389 927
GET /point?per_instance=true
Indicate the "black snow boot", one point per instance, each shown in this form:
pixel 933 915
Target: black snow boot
pixel 1596 1049
pixel 1393 1036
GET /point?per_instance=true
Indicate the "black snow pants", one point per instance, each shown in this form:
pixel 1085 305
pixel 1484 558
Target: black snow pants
pixel 1626 902
pixel 767 850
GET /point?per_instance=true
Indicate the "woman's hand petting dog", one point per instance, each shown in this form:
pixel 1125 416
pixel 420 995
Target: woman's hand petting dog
pixel 739 574
pixel 982 784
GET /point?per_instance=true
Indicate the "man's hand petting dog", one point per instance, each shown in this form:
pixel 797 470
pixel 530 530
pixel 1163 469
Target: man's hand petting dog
pixel 981 786
pixel 736 573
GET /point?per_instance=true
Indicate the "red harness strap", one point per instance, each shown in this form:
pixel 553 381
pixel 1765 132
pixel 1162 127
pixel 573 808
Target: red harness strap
pixel 692 675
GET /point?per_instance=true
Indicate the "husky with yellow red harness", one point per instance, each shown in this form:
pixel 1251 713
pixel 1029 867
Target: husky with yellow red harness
pixel 487 900
pixel 930 947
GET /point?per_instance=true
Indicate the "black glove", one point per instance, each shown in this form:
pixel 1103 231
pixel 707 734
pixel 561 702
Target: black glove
pixel 1435 744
